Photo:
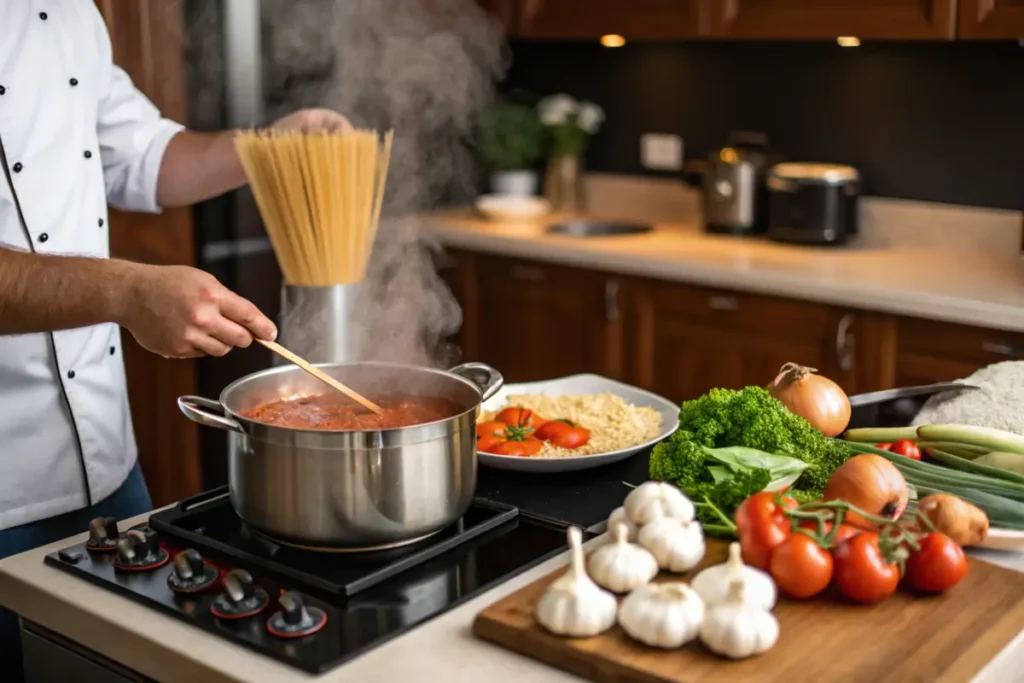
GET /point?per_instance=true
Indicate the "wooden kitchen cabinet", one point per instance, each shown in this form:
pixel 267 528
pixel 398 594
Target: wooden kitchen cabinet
pixel 929 351
pixel 823 19
pixel 996 19
pixel 536 321
pixel 684 340
pixel 591 19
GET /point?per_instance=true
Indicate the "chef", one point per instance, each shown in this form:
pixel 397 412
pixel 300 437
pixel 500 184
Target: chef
pixel 76 135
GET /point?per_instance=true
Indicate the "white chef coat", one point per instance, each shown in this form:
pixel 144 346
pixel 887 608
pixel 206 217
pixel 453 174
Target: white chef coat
pixel 77 134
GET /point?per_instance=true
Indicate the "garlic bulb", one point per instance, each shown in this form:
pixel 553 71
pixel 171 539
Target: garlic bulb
pixel 619 516
pixel 712 584
pixel 652 497
pixel 662 614
pixel 677 546
pixel 573 605
pixel 738 628
pixel 621 566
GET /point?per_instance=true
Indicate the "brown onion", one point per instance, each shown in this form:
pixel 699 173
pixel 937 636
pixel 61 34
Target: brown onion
pixel 872 484
pixel 817 399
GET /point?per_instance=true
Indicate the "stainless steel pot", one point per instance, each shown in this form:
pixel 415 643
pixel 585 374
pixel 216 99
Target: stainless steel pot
pixel 358 490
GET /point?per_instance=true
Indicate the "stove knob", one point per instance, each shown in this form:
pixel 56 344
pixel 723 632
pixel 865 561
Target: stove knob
pixel 150 544
pixel 239 586
pixel 128 547
pixel 188 564
pixel 102 529
pixel 293 610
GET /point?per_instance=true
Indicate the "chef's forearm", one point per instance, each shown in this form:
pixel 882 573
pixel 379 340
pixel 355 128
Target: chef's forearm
pixel 198 166
pixel 44 293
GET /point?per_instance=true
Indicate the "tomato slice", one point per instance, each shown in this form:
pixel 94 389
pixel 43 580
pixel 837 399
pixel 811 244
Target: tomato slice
pixel 525 447
pixel 492 428
pixel 563 434
pixel 520 417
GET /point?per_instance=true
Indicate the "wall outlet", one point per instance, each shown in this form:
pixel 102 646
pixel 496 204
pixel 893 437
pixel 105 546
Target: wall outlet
pixel 661 151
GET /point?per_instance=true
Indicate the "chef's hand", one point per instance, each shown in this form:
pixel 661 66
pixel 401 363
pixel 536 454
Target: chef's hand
pixel 313 121
pixel 182 312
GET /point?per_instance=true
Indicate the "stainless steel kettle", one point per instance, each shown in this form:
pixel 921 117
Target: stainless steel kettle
pixel 735 198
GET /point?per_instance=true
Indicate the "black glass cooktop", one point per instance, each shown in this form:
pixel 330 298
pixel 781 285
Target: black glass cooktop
pixel 356 601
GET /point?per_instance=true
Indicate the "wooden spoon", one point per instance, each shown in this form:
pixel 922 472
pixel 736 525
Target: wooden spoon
pixel 320 375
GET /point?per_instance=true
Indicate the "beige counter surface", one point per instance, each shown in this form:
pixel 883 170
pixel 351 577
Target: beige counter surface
pixel 960 285
pixel 168 650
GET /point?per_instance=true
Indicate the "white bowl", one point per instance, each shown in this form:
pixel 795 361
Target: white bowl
pixel 579 385
pixel 510 207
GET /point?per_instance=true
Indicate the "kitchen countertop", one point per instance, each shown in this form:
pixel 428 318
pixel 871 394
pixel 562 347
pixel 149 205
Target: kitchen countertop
pixel 955 285
pixel 165 649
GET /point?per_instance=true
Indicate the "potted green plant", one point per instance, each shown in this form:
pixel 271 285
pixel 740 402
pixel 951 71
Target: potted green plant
pixel 570 124
pixel 513 141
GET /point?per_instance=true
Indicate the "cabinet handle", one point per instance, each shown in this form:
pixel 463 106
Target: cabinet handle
pixel 723 303
pixel 1002 349
pixel 527 273
pixel 845 343
pixel 611 301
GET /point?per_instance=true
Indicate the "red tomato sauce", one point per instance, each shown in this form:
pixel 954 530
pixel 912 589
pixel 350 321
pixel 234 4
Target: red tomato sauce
pixel 334 411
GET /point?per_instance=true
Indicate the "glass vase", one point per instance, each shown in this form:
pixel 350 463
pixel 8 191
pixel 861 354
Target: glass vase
pixel 563 184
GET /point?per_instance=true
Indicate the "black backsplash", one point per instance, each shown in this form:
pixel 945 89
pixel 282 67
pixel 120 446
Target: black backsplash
pixel 931 121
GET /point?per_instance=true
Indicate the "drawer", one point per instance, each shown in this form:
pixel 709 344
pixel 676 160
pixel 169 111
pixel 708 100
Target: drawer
pixel 725 309
pixel 972 345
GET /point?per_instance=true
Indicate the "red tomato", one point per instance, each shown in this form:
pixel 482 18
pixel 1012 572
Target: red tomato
pixel 524 447
pixel 938 565
pixel 503 439
pixel 520 417
pixel 762 524
pixel 884 446
pixel 801 568
pixel 862 571
pixel 492 428
pixel 907 448
pixel 488 444
pixel 563 433
pixel 845 531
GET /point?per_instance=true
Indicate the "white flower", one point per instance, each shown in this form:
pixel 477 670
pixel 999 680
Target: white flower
pixel 556 109
pixel 590 117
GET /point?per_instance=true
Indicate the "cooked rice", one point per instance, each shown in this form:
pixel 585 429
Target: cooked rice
pixel 614 423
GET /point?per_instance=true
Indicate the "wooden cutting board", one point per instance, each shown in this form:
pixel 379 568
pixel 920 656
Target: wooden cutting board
pixel 947 638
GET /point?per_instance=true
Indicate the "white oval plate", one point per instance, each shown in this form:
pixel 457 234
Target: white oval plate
pixel 578 385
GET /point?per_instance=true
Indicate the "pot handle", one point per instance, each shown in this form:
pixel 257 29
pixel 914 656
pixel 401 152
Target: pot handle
pixel 207 412
pixel 486 378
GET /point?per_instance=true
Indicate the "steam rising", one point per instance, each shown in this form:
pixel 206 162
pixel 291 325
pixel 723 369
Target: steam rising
pixel 425 68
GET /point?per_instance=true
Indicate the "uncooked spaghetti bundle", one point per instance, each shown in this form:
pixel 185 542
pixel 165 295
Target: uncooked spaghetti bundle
pixel 320 196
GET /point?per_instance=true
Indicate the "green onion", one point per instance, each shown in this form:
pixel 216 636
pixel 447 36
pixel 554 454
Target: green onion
pixel 975 467
pixel 992 439
pixel 961 449
pixel 880 434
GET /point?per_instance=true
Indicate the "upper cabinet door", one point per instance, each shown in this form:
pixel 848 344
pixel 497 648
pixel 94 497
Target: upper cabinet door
pixel 505 10
pixel 991 19
pixel 591 19
pixel 810 19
